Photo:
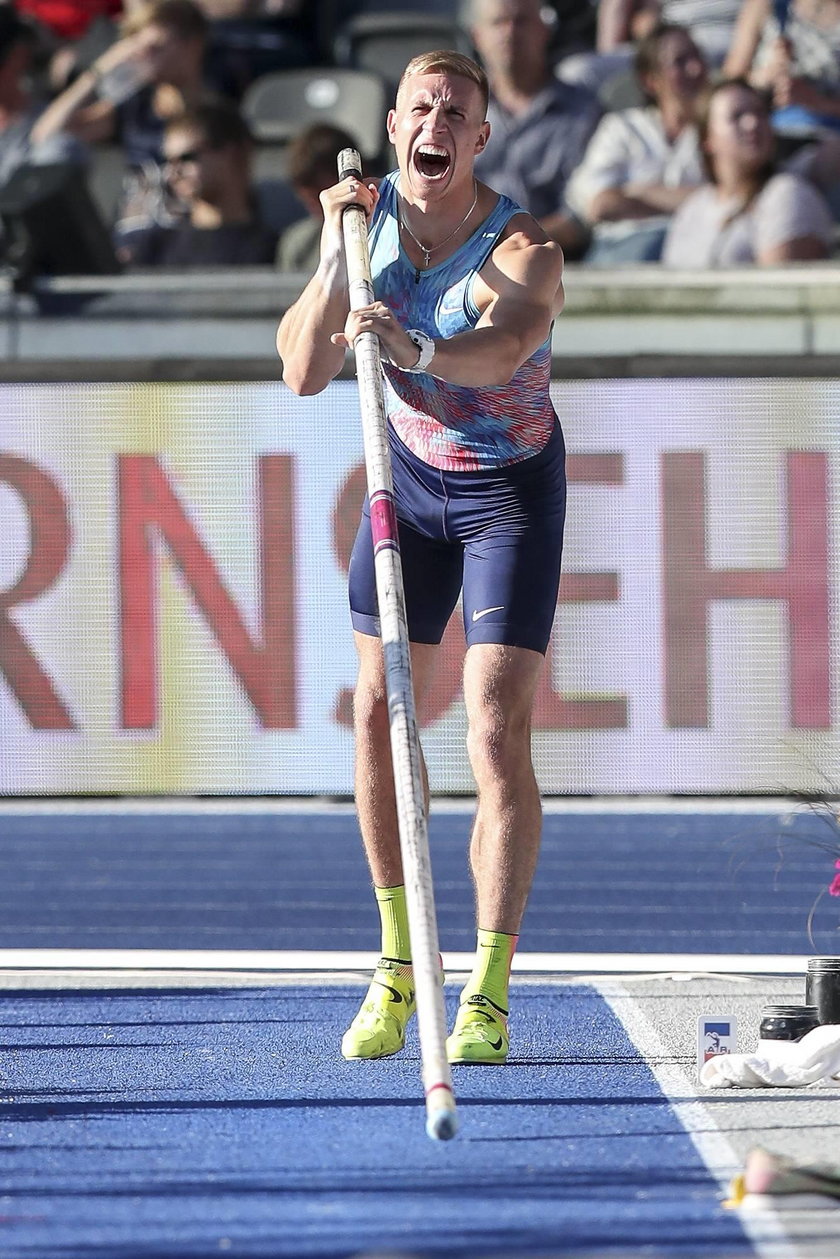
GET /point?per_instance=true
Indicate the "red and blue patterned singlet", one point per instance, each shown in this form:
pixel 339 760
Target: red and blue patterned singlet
pixel 454 427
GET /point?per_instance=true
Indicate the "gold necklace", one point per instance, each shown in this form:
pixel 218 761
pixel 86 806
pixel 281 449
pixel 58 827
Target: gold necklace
pixel 427 252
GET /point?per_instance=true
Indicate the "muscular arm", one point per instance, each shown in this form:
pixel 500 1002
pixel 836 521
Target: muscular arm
pixel 519 292
pixel 311 359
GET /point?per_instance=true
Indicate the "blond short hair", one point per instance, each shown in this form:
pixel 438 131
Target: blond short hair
pixel 447 61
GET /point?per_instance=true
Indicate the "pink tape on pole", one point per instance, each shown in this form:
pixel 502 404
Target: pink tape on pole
pixel 383 521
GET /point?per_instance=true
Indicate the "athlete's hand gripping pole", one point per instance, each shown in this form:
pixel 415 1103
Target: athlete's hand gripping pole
pixel 441 1117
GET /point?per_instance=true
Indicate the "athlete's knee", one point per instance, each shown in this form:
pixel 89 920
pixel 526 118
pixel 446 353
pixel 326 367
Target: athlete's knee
pixel 497 744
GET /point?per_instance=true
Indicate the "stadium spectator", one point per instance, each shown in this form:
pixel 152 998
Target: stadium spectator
pixel 641 164
pixel 150 75
pixel 208 168
pixel 748 212
pixel 539 127
pixel 711 23
pixel 799 64
pixel 153 73
pixel 19 109
pixel 623 23
pixel 311 168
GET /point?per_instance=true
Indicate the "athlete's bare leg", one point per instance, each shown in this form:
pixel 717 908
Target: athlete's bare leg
pixel 374 776
pixel 378 1029
pixel 499 687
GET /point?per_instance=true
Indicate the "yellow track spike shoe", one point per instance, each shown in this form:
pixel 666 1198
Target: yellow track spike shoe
pixel 378 1030
pixel 480 1034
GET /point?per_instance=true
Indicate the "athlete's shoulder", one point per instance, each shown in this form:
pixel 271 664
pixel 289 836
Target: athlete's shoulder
pixel 524 244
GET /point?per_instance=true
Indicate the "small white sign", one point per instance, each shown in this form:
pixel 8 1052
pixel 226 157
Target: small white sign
pixel 716 1034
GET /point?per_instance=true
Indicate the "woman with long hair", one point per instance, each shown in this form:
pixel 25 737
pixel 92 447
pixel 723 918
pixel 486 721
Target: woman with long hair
pixel 749 211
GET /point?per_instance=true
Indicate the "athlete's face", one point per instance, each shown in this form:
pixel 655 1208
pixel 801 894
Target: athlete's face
pixel 437 127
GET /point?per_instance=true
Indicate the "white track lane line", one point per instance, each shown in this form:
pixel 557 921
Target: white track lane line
pixel 442 805
pixel 627 964
pixel 758 1219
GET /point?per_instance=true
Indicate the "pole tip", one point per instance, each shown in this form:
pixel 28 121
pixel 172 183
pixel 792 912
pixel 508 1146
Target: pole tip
pixel 441 1125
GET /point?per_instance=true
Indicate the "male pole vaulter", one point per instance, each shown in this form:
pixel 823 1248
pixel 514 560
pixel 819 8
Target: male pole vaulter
pixel 467 288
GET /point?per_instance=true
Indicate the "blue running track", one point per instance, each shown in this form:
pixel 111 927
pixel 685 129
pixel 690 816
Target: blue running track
pixel 223 1122
pixel 159 1123
pixel 680 882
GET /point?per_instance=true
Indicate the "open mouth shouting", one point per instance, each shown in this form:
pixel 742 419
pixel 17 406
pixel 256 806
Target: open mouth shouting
pixel 432 161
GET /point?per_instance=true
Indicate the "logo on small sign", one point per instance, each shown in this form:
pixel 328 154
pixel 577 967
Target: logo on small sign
pixel 715 1035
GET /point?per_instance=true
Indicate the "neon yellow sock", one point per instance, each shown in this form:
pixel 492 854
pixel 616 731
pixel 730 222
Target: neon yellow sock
pixel 393 916
pixel 491 972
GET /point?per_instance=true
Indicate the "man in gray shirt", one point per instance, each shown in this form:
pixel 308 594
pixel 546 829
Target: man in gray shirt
pixel 539 126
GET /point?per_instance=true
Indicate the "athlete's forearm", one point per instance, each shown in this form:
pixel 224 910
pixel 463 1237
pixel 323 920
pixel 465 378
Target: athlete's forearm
pixel 483 356
pixel 310 359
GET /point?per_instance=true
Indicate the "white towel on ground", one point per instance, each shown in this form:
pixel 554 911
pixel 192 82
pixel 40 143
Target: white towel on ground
pixel 779 1063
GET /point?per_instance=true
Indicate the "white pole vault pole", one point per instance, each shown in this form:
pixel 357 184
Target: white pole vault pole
pixel 441 1115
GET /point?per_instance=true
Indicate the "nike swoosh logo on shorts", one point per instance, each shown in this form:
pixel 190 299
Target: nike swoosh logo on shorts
pixel 476 616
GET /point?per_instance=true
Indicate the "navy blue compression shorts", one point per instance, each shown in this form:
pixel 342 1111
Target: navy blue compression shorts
pixel 497 533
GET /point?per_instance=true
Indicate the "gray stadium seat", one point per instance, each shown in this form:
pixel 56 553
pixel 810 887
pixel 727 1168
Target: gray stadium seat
pixel 279 105
pixel 387 41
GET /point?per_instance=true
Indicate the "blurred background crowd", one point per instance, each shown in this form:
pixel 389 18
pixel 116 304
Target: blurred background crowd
pixel 199 133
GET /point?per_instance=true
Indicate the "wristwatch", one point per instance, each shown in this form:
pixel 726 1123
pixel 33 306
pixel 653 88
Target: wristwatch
pixel 426 347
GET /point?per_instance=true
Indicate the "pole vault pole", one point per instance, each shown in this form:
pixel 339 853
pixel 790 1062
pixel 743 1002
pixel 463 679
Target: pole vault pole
pixel 441 1115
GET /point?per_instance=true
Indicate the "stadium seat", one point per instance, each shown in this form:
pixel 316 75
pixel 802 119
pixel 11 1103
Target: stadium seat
pixel 386 41
pixel 331 15
pixel 279 105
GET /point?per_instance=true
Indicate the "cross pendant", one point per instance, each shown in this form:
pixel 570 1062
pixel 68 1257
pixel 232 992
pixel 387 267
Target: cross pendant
pixel 426 257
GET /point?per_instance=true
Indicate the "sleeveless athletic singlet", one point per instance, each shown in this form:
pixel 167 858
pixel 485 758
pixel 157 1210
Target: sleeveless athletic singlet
pixel 453 427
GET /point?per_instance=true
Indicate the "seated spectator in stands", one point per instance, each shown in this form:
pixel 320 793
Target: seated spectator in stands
pixel 623 23
pixel 799 65
pixel 311 167
pixel 253 37
pixel 711 23
pixel 539 126
pixel 641 164
pixel 19 110
pixel 748 211
pixel 208 168
pixel 153 73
